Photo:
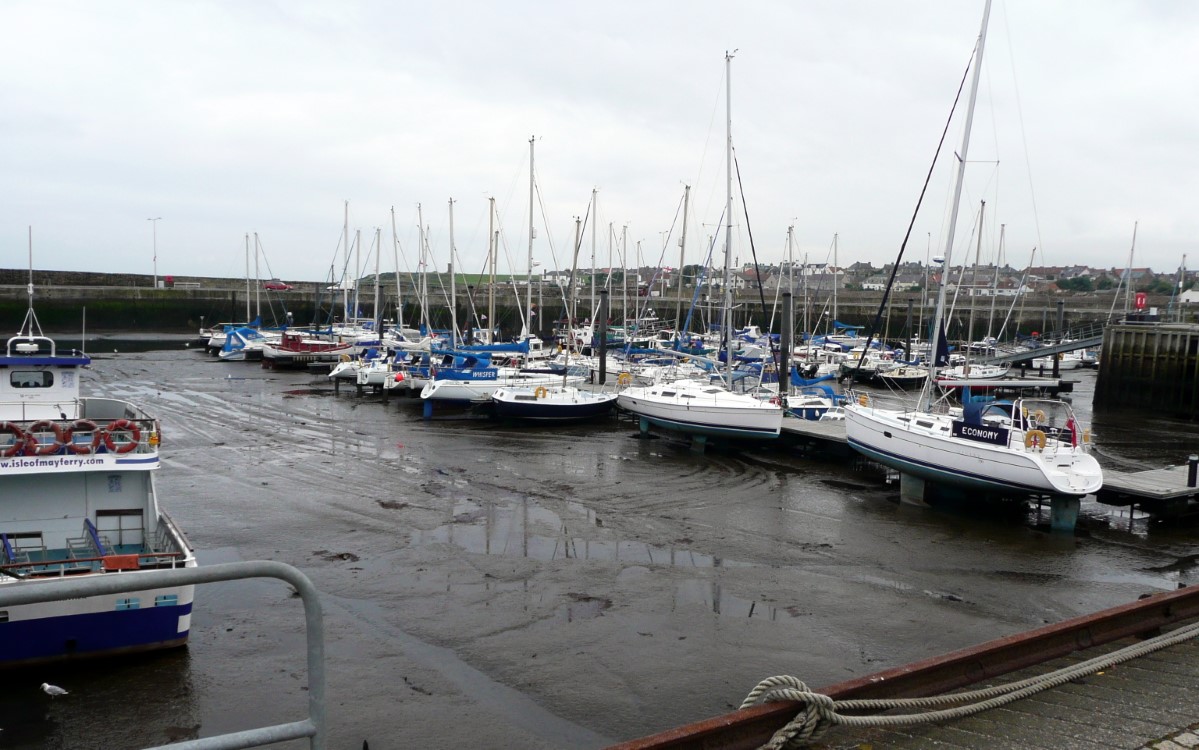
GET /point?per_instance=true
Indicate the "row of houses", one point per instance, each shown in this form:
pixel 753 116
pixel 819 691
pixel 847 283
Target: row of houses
pixel 989 280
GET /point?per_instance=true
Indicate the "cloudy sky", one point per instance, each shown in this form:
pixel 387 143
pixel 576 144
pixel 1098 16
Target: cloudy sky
pixel 228 118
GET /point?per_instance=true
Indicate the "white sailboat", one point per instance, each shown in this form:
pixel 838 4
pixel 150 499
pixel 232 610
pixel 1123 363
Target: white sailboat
pixel 706 409
pixel 1029 446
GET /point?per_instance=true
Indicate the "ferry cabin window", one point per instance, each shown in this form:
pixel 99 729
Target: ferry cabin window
pixel 124 528
pixel 31 378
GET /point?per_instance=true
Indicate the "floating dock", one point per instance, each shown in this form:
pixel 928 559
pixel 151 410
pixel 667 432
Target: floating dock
pixel 1171 491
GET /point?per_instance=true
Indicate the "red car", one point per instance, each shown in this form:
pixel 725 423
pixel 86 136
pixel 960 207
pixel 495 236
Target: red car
pixel 276 285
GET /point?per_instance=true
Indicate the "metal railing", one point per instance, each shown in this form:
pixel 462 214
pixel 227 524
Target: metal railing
pixel 312 727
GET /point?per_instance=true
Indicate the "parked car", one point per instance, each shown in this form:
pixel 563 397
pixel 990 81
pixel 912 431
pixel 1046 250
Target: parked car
pixel 276 285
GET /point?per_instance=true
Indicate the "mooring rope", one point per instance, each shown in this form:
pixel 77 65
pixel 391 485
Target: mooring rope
pixel 820 712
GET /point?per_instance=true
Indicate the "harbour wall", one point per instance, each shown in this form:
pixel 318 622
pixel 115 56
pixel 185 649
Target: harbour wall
pixel 1150 366
pixel 124 302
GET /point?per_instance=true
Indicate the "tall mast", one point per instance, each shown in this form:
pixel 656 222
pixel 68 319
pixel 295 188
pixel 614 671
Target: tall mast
pixel 726 327
pixel 247 277
pixel 982 209
pixel 493 241
pixel 570 299
pixel 835 284
pixel 453 286
pixel 529 290
pixel 594 222
pixel 395 255
pixel 995 282
pixel 375 310
pixel 357 277
pixel 678 310
pixel 624 277
pixel 926 397
pixel 422 265
pixel 257 283
pixel 791 269
pixel 345 229
pixel 1128 269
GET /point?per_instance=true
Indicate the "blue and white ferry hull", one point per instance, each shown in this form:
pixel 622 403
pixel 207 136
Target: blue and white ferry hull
pixel 77 501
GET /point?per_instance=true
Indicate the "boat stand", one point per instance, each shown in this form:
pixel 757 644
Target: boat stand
pixel 1063 513
pixel 912 490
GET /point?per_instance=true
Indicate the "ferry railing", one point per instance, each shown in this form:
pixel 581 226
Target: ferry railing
pixel 313 727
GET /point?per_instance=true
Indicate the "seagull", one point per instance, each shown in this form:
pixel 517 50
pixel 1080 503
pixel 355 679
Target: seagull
pixel 52 690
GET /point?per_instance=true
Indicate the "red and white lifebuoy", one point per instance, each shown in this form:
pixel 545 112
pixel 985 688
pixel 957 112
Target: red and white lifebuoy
pixel 19 439
pixel 118 427
pixel 87 427
pixel 36 446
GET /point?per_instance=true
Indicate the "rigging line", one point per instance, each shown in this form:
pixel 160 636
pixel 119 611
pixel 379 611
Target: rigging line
pixel 1036 219
pixel 549 237
pixel 907 235
pixel 702 278
pixel 661 257
pixel 749 231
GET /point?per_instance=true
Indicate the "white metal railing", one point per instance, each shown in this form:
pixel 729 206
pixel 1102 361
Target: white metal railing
pixel 313 727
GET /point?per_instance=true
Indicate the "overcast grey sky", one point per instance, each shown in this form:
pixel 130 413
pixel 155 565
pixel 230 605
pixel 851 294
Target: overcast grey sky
pixel 231 117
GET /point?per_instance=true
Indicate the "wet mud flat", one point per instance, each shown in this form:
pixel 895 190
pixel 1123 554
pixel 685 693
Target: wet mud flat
pixel 501 586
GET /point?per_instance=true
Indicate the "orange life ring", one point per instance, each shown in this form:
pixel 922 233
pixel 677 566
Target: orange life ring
pixel 127 427
pixel 1034 439
pixel 19 439
pixel 541 392
pixel 37 447
pixel 85 426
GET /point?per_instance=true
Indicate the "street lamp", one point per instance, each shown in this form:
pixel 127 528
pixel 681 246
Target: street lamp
pixel 154 224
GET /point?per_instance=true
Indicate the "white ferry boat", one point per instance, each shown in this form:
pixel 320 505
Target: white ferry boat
pixel 77 499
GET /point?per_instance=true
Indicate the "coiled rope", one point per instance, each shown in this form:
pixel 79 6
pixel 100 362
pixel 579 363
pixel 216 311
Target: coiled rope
pixel 820 712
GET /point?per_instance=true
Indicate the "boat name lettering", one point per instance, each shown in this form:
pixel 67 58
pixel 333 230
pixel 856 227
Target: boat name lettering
pixel 981 433
pixel 27 462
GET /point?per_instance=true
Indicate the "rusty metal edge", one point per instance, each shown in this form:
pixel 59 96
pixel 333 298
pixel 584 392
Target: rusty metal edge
pixel 752 727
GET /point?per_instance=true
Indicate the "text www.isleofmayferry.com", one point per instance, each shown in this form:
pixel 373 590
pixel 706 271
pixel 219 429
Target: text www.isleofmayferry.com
pixel 28 462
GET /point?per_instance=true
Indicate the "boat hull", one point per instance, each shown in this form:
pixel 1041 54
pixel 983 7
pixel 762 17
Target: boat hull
pixel 938 458
pixel 95 626
pixel 553 407
pixel 718 416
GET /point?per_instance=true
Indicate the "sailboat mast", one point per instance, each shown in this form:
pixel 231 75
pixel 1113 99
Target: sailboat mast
pixel 982 210
pixel 395 255
pixel 926 396
pixel 453 286
pixel 422 266
pixel 835 279
pixel 678 310
pixel 594 222
pixel 570 300
pixel 375 309
pixel 726 322
pixel 529 289
pixel 257 281
pixel 357 275
pixel 345 230
pixel 995 283
pixel 247 277
pixel 1128 270
pixel 493 241
pixel 624 277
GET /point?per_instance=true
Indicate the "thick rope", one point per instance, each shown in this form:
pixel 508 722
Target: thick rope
pixel 820 712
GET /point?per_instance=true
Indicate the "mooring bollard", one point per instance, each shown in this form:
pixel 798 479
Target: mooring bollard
pixel 1192 469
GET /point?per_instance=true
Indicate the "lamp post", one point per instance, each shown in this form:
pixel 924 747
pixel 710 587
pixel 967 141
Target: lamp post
pixel 154 225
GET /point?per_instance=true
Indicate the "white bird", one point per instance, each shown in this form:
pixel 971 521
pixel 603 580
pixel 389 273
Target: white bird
pixel 52 690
